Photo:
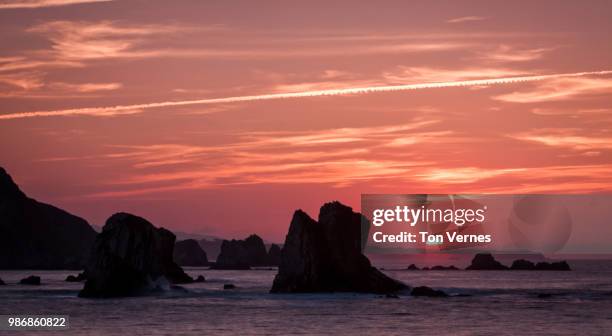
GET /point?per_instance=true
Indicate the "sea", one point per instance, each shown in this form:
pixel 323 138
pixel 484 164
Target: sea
pixel 578 302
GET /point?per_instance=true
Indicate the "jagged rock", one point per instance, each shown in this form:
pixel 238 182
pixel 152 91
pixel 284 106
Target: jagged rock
pixel 36 235
pixel 131 257
pixel 325 255
pixel 80 277
pixel 426 291
pixel 229 286
pixel 485 262
pixel 189 253
pixel 444 268
pixel 2 283
pixel 274 255
pixel 412 267
pixel 200 278
pixel 31 280
pixel 242 254
pixel 522 265
pixel 553 266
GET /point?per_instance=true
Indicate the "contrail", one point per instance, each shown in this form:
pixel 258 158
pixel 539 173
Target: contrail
pixel 135 108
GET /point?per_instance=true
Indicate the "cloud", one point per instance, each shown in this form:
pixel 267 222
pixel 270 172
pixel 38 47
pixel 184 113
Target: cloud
pixel 427 74
pixel 465 19
pixel 15 4
pixel 119 109
pixel 566 139
pixel 506 53
pixel 561 88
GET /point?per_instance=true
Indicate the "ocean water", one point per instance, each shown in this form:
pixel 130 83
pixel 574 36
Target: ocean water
pixel 499 303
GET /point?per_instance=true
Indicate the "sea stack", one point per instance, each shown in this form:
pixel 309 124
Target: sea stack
pixel 242 254
pixel 274 255
pixel 131 257
pixel 189 253
pixel 36 235
pixel 326 255
pixel 485 262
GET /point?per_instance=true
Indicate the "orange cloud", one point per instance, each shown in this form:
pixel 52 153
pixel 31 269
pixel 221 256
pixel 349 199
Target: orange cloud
pixel 563 88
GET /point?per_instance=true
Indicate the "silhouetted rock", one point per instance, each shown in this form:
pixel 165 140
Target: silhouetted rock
pixel 200 278
pixel 36 235
pixel 425 268
pixel 31 280
pixel 444 268
pixel 229 286
pixel 80 277
pixel 426 291
pixel 412 267
pixel 553 266
pixel 242 254
pixel 274 255
pixel 325 256
pixel 485 262
pixel 2 283
pixel 131 257
pixel 544 296
pixel 189 253
pixel 522 265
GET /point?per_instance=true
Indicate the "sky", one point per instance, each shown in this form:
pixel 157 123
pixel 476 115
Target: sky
pixel 222 118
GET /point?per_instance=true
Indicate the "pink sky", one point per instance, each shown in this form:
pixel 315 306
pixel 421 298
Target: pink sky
pixel 231 168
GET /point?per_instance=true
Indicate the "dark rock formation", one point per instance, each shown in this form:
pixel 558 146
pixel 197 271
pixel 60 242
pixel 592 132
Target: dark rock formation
pixel 189 253
pixel 31 280
pixel 200 278
pixel 36 235
pixel 274 255
pixel 522 265
pixel 553 266
pixel 485 262
pixel 80 277
pixel 426 291
pixel 131 257
pixel 444 268
pixel 412 267
pixel 242 254
pixel 325 256
pixel 2 283
pixel 527 265
pixel 229 286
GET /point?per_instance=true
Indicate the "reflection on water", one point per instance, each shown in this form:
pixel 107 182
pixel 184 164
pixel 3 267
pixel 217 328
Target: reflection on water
pixel 501 303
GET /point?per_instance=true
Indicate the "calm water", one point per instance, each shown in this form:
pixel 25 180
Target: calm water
pixel 501 303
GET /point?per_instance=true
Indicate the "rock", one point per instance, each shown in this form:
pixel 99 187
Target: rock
pixel 553 266
pixel 391 296
pixel 426 291
pixel 444 268
pixel 200 278
pixel 325 255
pixel 242 254
pixel 425 269
pixel 189 253
pixel 485 262
pixel 80 277
pixel 522 265
pixel 31 280
pixel 36 235
pixel 229 286
pixel 2 283
pixel 274 255
pixel 412 267
pixel 131 257
pixel 544 296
